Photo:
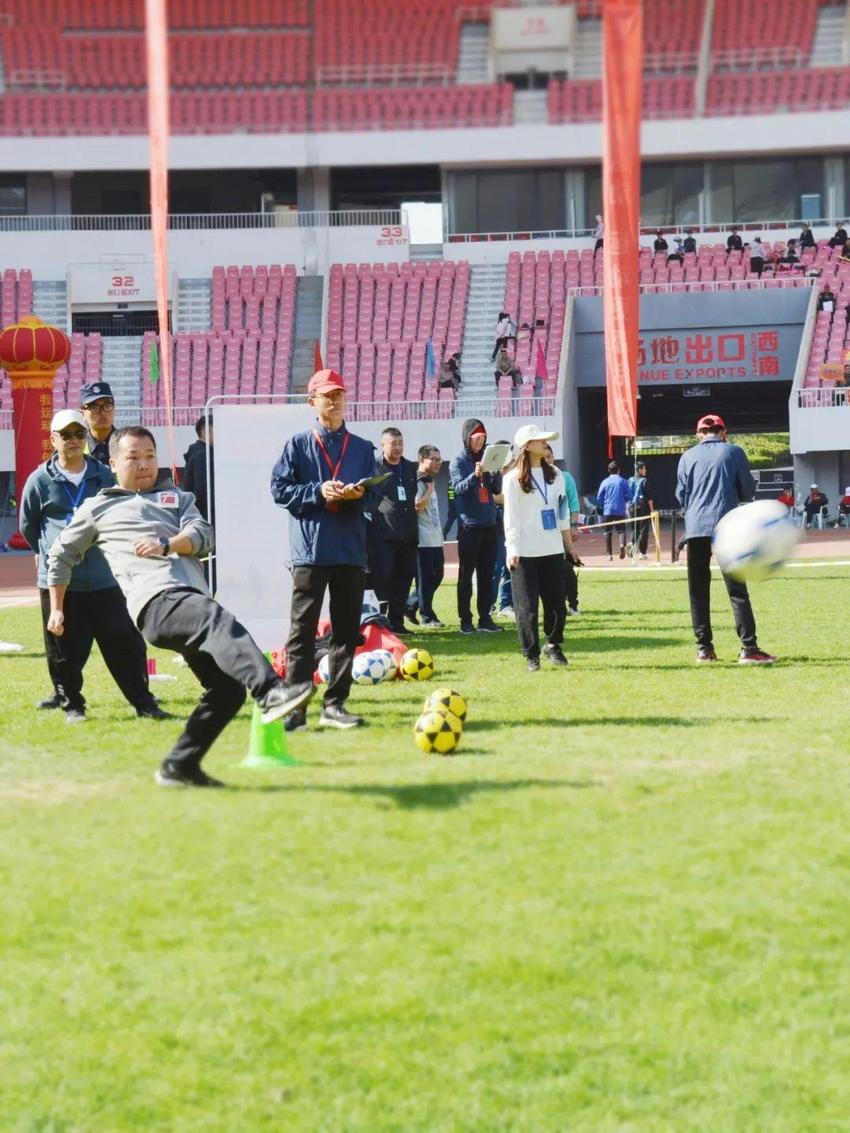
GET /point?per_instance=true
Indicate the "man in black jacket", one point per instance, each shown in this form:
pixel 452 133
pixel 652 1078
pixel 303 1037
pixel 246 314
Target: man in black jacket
pixel 394 530
pixel 195 470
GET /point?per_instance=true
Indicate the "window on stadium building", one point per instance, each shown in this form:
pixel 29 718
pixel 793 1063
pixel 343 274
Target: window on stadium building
pixel 670 194
pixel 508 200
pixel 13 196
pixel 766 190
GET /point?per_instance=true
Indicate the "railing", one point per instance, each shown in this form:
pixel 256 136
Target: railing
pixel 394 74
pixel 823 398
pixel 756 58
pixel 182 222
pixel 670 62
pixel 35 80
pixel 476 120
pixel 770 284
pixel 155 416
pixel 719 229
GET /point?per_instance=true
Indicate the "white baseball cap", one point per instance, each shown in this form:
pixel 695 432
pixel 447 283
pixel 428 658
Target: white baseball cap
pixel 66 417
pixel 532 433
pixel 812 486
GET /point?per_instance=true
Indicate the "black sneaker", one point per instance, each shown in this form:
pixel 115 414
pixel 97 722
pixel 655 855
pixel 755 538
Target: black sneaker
pixel 335 716
pixel 49 703
pixel 282 699
pixel 489 626
pixel 555 654
pixel 153 711
pixel 622 552
pixel 432 623
pixel 467 628
pixel 296 721
pixel 705 653
pixel 755 656
pixel 75 716
pixel 533 664
pixel 172 775
pixel 412 617
pixel 401 630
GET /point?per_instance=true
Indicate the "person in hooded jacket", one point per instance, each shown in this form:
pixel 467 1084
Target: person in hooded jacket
pixel 194 478
pixel 477 531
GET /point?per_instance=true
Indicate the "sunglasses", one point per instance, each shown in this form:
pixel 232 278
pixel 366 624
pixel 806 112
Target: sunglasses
pixel 72 435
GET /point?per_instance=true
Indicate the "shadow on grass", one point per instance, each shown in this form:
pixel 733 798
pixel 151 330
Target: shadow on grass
pixel 614 721
pixel 429 796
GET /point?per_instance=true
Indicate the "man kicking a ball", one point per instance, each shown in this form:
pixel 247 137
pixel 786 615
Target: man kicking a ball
pixel 151 538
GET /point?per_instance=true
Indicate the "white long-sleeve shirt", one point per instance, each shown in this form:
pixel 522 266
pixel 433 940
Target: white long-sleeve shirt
pixel 525 535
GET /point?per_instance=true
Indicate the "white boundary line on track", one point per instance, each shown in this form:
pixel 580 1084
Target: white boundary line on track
pixel 653 569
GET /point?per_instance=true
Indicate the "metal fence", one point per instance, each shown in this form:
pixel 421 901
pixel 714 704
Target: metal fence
pixel 182 222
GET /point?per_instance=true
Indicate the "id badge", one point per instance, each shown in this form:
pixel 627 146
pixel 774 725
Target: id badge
pixel 547 515
pixel 483 495
pixel 402 495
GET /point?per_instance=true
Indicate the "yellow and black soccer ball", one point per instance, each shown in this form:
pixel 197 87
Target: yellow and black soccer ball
pixel 438 732
pixel 417 665
pixel 446 699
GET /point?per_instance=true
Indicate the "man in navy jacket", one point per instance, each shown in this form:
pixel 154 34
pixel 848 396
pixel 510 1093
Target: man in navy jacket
pixel 316 481
pixel 713 478
pixel 477 528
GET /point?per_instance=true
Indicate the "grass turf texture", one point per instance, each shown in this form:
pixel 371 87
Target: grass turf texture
pixel 621 906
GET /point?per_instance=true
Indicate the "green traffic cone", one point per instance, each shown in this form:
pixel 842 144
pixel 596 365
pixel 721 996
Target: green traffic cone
pixel 267 746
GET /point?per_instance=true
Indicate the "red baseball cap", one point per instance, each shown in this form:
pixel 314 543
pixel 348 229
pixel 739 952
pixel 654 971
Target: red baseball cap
pixel 711 421
pixel 324 381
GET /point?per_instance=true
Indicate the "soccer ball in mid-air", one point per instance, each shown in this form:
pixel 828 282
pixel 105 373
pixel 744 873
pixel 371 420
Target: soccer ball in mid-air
pixel 446 700
pixel 417 665
pixel 390 670
pixel 324 669
pixel 754 540
pixel 437 732
pixel 367 669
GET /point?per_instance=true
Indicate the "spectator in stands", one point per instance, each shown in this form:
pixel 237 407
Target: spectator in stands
pixel 827 299
pixel 734 243
pixel 843 518
pixel 678 253
pixel 659 244
pixel 537 534
pixel 790 256
pixel 844 258
pixel 757 257
pixel 571 559
pixel 712 479
pixel 477 535
pixel 505 368
pixel 94 605
pixel 599 234
pixel 394 530
pixel 642 504
pixel 786 496
pixel 502 326
pixel 429 555
pixel 807 237
pixel 689 244
pixel 840 237
pixel 98 407
pixel 613 498
pixel 195 469
pixel 317 481
pixel 814 503
pixel 450 373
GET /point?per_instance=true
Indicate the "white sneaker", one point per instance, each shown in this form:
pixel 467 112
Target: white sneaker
pixel 576 613
pixel 508 614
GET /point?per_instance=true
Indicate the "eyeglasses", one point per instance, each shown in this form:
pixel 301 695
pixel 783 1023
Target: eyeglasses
pixel 73 435
pixel 100 406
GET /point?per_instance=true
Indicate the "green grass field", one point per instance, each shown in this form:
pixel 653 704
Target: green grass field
pixel 622 906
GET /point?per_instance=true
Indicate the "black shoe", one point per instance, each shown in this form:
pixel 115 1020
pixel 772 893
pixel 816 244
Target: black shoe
pixel 282 699
pixel 49 703
pixel 432 623
pixel 533 664
pixel 411 617
pixel 401 630
pixel 706 653
pixel 153 711
pixel 172 775
pixel 489 626
pixel 335 716
pixel 467 628
pixel 296 721
pixel 622 552
pixel 75 715
pixel 555 654
pixel 755 656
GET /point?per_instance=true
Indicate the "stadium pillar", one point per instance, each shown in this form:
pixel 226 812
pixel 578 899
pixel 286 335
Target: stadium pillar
pixel 31 353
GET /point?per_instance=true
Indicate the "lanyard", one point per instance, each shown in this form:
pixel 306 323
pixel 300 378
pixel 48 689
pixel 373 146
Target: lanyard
pixel 544 491
pixel 334 469
pixel 74 500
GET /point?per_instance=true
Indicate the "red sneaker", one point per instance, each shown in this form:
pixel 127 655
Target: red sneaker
pixel 755 656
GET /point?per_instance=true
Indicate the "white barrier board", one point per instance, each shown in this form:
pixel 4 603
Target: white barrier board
pixel 253 580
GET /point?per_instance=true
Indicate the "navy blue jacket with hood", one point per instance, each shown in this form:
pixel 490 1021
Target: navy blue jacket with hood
pixel 472 509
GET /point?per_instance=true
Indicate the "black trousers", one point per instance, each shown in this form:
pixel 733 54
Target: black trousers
pixel 309 583
pixel 393 570
pixel 539 581
pixel 451 518
pixel 101 615
pixel 477 548
pixel 643 526
pixel 222 655
pixel 619 527
pixel 699 587
pixel 570 583
pixel 429 575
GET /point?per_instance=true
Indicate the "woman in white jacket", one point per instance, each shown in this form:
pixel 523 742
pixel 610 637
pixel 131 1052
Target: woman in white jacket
pixel 537 533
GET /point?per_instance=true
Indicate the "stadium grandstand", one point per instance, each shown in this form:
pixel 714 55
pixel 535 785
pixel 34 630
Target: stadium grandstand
pixel 381 181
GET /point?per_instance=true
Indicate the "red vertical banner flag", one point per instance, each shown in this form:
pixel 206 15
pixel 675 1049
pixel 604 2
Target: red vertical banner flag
pixel 622 37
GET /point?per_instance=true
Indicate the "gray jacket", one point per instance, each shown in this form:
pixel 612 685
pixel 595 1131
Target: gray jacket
pixel 113 521
pixel 714 477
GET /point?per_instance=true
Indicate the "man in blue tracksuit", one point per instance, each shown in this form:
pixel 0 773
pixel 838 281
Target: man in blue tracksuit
pixel 614 497
pixel 316 480
pixel 477 528
pixel 713 478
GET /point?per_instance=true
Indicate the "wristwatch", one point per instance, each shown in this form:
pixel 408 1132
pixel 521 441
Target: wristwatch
pixel 165 544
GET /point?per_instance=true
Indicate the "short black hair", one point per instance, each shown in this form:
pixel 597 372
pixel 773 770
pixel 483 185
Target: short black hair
pixel 203 423
pixel 641 464
pixel 391 431
pixel 426 451
pixel 137 431
pixel 613 466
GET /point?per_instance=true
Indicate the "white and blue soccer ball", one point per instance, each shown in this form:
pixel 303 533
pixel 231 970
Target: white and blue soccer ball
pixel 755 540
pixel 388 661
pixel 367 669
pixel 324 669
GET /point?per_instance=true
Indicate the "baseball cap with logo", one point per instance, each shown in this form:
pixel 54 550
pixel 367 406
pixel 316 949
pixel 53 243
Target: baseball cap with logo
pixel 95 392
pixel 325 381
pixel 711 421
pixel 66 417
